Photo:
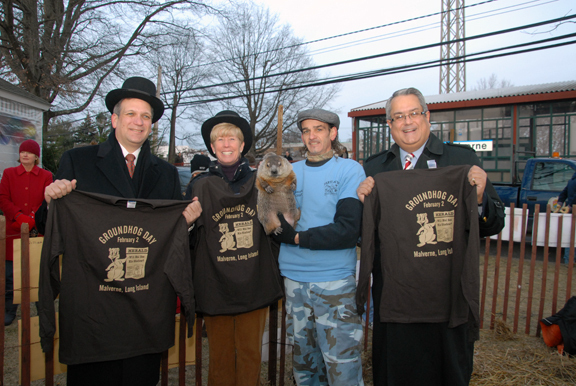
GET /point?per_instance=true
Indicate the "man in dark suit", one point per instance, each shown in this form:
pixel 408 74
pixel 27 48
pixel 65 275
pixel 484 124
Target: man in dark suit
pixel 424 353
pixel 122 166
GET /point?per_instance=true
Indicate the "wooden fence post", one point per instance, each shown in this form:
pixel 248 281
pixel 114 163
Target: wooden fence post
pixel 484 281
pixel 536 217
pixel 25 304
pixel 282 342
pixel 272 343
pixel 557 266
pixel 571 254
pixel 509 262
pixel 496 276
pixel 544 269
pixel 2 290
pixel 198 323
pixel 182 349
pixel 520 268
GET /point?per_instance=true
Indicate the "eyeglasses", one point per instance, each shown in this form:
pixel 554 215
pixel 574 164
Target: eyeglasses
pixel 413 115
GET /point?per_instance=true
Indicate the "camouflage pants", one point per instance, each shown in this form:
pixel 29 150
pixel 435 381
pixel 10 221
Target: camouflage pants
pixel 326 332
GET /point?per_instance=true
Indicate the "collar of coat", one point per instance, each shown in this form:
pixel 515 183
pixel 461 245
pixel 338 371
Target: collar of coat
pixel 243 170
pixel 110 157
pixel 433 146
pixel 21 170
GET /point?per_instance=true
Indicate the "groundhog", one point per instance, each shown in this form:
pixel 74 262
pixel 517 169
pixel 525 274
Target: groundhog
pixel 276 183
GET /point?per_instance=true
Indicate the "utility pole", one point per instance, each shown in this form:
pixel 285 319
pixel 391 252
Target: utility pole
pixel 158 88
pixel 279 132
pixel 452 66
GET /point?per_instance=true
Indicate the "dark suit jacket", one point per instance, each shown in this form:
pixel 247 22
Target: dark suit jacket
pixel 102 169
pixel 445 154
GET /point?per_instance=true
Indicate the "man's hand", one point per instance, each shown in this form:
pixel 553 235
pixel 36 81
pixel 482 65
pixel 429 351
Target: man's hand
pixel 192 211
pixel 365 188
pixel 478 177
pixel 556 207
pixel 58 189
pixel 288 234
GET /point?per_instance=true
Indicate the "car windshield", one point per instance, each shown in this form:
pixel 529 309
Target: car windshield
pixel 184 174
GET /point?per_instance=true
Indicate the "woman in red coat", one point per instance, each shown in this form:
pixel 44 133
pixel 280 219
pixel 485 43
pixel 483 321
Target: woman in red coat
pixel 21 194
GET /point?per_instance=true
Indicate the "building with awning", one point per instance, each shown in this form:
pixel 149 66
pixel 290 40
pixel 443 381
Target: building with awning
pixel 505 125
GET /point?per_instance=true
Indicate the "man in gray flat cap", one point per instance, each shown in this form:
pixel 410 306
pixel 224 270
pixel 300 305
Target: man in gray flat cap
pixel 318 259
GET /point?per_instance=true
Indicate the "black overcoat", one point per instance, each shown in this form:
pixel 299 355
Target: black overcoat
pixel 102 169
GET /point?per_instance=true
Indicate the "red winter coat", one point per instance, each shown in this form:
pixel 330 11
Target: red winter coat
pixel 21 193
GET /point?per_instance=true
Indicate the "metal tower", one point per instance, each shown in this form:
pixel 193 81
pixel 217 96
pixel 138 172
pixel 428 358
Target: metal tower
pixel 452 69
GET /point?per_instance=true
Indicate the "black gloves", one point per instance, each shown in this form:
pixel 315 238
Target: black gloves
pixel 287 235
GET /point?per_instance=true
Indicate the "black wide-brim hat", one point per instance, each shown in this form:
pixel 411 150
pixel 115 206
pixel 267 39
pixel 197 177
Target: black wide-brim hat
pixel 140 88
pixel 232 117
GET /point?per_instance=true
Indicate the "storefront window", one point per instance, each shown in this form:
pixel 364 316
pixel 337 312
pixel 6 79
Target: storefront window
pixel 525 110
pixel 563 107
pixel 441 116
pixel 468 115
pixel 497 112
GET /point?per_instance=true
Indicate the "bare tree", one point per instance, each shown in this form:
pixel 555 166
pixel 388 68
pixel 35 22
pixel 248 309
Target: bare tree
pixel 63 51
pixel 180 59
pixel 492 82
pixel 250 47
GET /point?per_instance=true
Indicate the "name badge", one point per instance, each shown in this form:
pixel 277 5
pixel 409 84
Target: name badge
pixel 131 204
pixel 431 164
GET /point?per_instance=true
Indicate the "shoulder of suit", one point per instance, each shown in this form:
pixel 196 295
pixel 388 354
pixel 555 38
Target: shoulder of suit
pixel 83 151
pixel 382 154
pixel 459 147
pixel 163 163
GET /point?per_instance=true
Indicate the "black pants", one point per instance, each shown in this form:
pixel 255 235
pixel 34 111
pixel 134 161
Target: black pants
pixel 417 354
pixel 143 370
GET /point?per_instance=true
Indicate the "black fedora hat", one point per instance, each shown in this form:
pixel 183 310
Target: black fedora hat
pixel 136 87
pixel 232 117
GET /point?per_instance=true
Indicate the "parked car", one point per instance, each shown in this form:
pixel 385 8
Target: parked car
pixel 543 180
pixel 185 175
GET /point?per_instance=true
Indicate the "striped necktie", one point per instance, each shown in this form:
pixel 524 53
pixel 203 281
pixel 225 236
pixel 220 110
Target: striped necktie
pixel 408 161
pixel 130 163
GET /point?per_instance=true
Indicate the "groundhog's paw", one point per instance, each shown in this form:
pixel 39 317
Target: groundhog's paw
pixel 269 189
pixel 277 231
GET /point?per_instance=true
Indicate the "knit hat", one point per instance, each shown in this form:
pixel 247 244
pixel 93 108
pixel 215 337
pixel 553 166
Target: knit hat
pixel 319 115
pixel 30 146
pixel 200 162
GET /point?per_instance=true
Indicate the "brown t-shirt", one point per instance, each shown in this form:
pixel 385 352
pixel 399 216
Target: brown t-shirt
pixel 426 222
pixel 234 268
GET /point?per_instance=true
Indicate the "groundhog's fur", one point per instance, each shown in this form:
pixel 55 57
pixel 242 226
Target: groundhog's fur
pixel 276 183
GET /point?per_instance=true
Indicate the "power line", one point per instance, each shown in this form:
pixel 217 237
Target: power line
pixel 474 17
pixel 411 67
pixel 377 56
pixel 341 35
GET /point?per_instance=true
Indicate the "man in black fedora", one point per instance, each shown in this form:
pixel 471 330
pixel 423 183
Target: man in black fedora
pixel 122 166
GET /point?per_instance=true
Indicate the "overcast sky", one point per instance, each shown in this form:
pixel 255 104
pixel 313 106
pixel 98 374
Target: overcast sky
pixel 318 19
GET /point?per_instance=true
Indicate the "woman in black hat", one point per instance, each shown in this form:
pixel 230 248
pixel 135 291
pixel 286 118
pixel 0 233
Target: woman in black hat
pixel 236 275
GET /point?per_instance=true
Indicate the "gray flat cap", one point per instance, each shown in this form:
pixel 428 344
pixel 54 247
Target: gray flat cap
pixel 319 115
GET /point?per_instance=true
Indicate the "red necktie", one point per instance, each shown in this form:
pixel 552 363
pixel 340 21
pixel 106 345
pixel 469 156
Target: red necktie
pixel 130 163
pixel 408 161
